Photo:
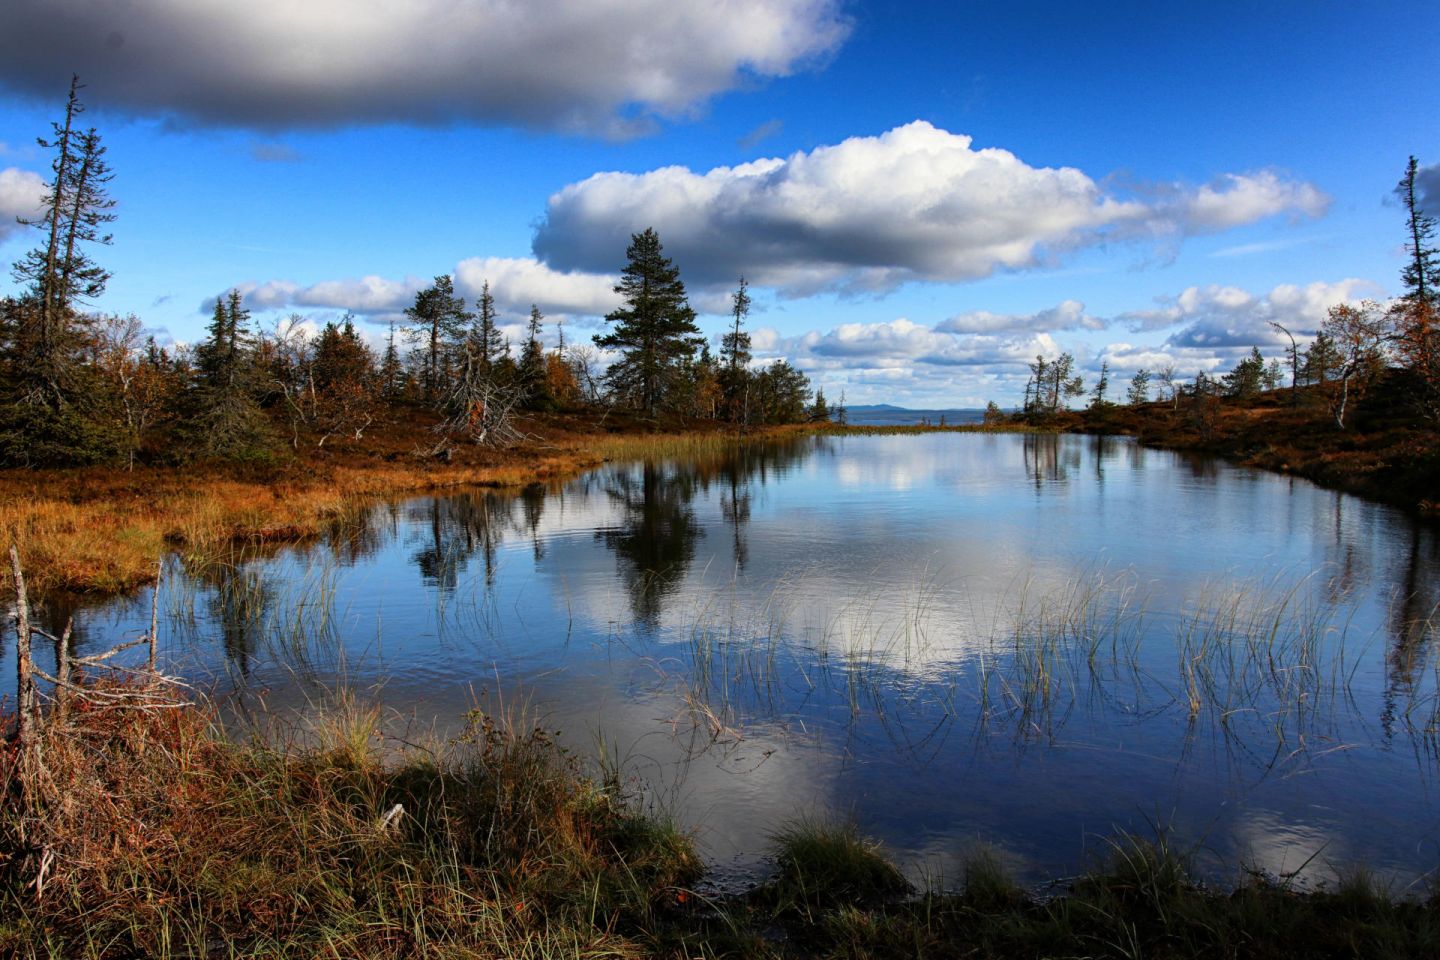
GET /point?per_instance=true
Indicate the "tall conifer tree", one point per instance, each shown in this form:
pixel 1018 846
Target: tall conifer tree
pixel 1416 317
pixel 655 330
pixel 51 397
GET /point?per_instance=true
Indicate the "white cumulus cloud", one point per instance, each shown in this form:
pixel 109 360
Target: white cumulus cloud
pixel 22 194
pixel 870 213
pixel 1238 199
pixel 515 283
pixel 601 65
pixel 1068 315
pixel 900 344
pixel 1220 317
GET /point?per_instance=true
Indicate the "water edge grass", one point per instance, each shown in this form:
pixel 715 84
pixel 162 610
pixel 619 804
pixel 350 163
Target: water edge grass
pixel 160 834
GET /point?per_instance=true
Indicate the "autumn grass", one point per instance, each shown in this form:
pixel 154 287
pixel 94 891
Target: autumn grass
pixel 156 835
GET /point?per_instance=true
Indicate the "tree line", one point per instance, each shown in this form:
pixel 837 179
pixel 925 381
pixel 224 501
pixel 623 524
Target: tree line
pixel 78 387
pixel 1355 347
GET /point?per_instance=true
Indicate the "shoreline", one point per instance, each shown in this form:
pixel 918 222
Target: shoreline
pixel 100 530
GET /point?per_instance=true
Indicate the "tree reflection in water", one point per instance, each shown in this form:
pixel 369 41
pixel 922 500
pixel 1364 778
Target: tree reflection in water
pixel 655 541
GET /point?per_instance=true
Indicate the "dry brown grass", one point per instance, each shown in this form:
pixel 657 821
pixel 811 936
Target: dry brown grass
pixel 101 530
pixel 149 833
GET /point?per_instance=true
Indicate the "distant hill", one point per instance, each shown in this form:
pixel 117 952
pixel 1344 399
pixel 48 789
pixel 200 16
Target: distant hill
pixel 886 414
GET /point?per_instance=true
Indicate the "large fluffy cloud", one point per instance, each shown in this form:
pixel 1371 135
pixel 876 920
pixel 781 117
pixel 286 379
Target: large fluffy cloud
pixel 547 63
pixel 21 195
pixel 915 203
pixel 367 295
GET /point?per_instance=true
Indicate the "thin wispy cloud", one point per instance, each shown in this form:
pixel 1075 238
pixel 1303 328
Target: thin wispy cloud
pixel 1265 246
pixel 761 133
pixel 274 153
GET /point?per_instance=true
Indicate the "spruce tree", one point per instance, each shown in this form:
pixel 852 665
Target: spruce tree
pixel 735 345
pixel 735 358
pixel 1321 362
pixel 1097 394
pixel 226 420
pixel 1416 317
pixel 487 344
pixel 533 366
pixel 820 410
pixel 390 370
pixel 60 273
pixel 655 331
pixel 343 381
pixel 1421 275
pixel 437 318
pixel 1139 391
pixel 51 396
pixel 1247 377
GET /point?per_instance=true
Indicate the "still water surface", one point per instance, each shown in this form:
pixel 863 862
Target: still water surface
pixel 1031 642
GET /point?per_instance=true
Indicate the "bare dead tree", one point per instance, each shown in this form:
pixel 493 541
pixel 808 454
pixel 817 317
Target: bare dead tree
pixel 1167 377
pixel 1294 363
pixel 155 692
pixel 584 361
pixel 24 662
pixel 286 352
pixel 139 380
pixel 481 409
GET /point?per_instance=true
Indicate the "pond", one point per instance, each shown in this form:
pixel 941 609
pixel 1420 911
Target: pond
pixel 1027 642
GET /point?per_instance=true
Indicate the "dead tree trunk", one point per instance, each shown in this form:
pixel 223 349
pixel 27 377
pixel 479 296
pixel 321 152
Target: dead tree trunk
pixel 24 666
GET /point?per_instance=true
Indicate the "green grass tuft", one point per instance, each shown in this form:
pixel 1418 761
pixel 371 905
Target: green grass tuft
pixel 824 865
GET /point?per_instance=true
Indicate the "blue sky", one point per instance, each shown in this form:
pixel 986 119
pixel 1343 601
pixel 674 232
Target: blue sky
pixel 922 197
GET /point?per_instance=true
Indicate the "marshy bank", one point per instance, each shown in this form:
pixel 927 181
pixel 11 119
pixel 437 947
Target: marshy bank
pixel 1386 452
pixel 99 530
pixel 142 828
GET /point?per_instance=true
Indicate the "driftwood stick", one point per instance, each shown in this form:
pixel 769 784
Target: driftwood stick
pixel 133 697
pixel 62 672
pixel 98 658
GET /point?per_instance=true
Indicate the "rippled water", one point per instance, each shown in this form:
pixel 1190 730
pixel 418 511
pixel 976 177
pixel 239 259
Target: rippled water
pixel 1032 642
